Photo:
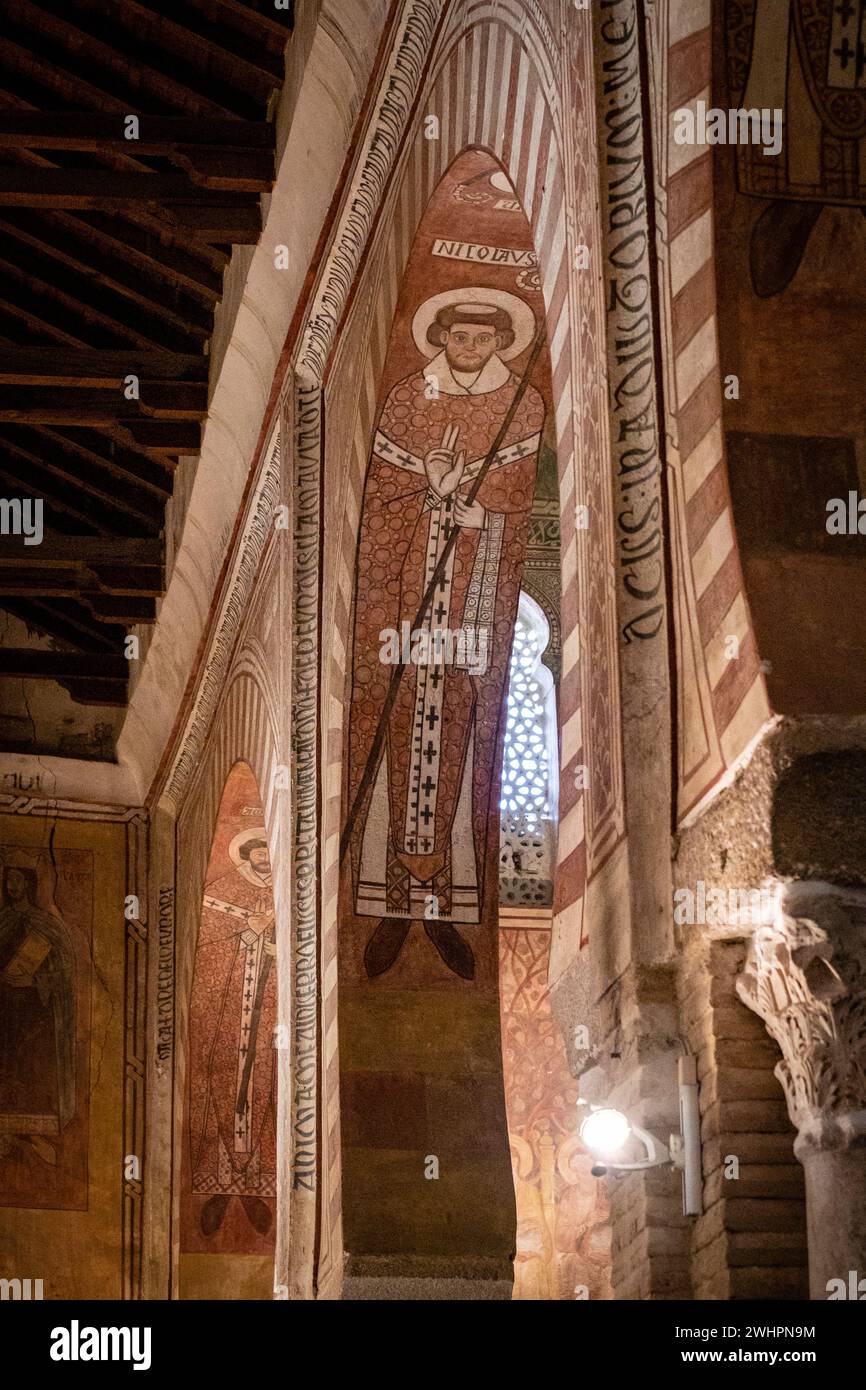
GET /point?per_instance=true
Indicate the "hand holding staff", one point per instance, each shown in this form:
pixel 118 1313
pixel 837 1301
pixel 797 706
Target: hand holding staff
pixel 376 746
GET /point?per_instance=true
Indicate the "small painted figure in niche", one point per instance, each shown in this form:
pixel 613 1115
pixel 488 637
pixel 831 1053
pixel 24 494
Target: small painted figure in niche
pixel 806 58
pixel 37 1019
pixel 425 825
pixel 233 1063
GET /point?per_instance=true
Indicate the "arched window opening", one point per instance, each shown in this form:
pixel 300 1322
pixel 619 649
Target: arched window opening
pixel 530 786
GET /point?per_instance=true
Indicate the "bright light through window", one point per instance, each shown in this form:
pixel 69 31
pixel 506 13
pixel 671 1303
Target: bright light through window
pixel 528 799
pixel 525 770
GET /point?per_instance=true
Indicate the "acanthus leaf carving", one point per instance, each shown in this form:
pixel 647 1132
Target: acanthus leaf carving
pixel 808 983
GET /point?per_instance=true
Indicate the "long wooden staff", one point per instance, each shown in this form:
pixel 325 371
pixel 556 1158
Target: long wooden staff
pixel 264 972
pixel 375 753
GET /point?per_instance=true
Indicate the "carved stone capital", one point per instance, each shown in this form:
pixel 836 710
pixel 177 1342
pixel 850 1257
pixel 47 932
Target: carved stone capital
pixel 807 980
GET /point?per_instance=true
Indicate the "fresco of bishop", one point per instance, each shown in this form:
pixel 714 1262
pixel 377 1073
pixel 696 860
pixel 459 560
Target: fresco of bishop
pixel 232 1058
pixel 429 818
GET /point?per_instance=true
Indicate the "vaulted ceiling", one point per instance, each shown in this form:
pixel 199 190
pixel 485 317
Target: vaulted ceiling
pixel 114 236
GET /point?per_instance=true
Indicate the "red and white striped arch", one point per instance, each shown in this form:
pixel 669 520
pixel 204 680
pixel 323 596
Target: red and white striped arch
pixel 722 703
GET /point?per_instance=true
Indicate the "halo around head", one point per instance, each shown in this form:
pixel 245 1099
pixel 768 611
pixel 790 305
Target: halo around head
pixel 522 316
pixel 243 866
pixel 257 832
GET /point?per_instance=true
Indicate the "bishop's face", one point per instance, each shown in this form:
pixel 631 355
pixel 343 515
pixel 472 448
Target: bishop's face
pixel 469 346
pixel 16 888
pixel 261 864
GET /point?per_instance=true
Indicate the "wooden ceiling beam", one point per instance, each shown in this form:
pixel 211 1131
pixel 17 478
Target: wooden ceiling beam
pixel 143 244
pixel 35 583
pixel 138 226
pixel 205 214
pixel 238 225
pixel 31 663
pixel 30 75
pixel 158 441
pixel 227 171
pixel 76 472
pixel 128 234
pixel 60 503
pixel 129 75
pixel 79 499
pixel 156 438
pixel 151 247
pixel 67 622
pixel 90 313
pixel 118 277
pixel 109 608
pixel 98 367
pixel 123 610
pixel 74 91
pixel 260 21
pixel 28 186
pixel 98 131
pixel 247 167
pixel 88 457
pixel 118 249
pixel 87 693
pixel 195 46
pixel 23 314
pixel 89 552
pixel 89 680
pixel 59 404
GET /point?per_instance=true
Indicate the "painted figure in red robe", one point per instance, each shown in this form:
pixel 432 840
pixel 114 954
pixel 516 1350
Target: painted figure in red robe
pixel 421 847
pixel 233 1063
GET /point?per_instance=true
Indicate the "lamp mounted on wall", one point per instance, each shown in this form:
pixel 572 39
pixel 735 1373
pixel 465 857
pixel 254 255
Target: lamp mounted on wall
pixel 606 1131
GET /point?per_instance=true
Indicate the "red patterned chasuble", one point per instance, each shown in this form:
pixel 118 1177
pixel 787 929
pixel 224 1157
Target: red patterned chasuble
pixel 232 1126
pixel 425 820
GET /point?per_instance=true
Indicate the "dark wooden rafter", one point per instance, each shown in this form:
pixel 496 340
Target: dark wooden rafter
pixel 135 231
pixel 86 405
pixel 71 552
pixel 202 212
pixel 104 56
pixel 129 244
pixel 180 317
pixel 206 48
pixel 99 509
pixel 150 248
pixel 263 21
pixel 75 453
pixel 100 681
pixel 37 365
pixel 112 251
pixel 28 661
pixel 99 131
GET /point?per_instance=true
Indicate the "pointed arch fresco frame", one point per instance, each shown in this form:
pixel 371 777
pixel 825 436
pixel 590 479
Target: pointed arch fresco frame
pixel 447 61
pixel 499 76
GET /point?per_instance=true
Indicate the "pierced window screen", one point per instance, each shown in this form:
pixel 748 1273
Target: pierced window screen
pixel 528 802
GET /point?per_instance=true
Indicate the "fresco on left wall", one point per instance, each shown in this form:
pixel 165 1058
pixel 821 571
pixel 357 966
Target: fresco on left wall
pixel 46 915
pixel 70 1089
pixel 228 1187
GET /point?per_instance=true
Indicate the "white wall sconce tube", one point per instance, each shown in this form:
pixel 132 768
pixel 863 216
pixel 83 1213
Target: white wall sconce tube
pixel 605 1132
pixel 690 1130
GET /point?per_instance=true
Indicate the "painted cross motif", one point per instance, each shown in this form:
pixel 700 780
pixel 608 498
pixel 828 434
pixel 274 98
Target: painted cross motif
pixel 422 818
pixel 231 1150
pixel 846 63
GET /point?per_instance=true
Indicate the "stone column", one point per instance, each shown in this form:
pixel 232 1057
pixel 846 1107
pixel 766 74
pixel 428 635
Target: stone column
pixel 806 977
pixel 637 468
pixel 633 1012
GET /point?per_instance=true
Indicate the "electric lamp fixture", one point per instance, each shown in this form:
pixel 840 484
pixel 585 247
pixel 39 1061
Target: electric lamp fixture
pixel 606 1131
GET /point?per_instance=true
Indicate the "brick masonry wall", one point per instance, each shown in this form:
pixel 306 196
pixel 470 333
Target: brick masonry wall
pixel 750 1241
pixel 633 1067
